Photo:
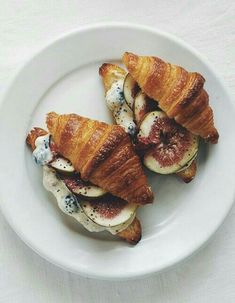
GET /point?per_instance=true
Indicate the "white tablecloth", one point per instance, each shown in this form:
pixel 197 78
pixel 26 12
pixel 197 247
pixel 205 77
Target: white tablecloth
pixel 25 26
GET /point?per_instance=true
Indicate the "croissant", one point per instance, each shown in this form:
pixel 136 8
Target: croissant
pixel 111 73
pixel 103 154
pixel 179 93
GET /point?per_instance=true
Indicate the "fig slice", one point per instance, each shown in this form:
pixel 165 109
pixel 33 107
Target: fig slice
pixel 62 165
pixel 109 211
pixel 143 105
pixel 187 164
pixel 130 89
pixel 169 146
pixel 85 190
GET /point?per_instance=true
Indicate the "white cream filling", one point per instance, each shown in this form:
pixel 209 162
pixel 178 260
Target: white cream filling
pixel 117 104
pixel 42 153
pixel 69 204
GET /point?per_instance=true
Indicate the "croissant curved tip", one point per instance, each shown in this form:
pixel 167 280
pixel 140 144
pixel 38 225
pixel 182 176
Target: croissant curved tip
pixel 143 195
pixel 104 68
pixel 128 54
pixel 213 137
pixel 132 234
pixel 33 134
pixel 111 73
pixel 129 59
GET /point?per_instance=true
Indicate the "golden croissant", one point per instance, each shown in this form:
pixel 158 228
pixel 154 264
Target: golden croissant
pixel 180 94
pixel 111 73
pixel 103 154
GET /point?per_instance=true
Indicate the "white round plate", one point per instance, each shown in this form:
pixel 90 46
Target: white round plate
pixel 63 77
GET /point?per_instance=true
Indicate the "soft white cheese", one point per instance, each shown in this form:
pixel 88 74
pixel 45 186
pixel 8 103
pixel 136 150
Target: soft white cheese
pixel 117 104
pixel 42 153
pixel 69 204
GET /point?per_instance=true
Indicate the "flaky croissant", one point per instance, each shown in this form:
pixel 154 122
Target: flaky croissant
pixel 179 93
pixel 111 73
pixel 103 154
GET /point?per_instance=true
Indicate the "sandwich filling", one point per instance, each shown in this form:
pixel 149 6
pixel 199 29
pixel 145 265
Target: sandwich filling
pixel 95 215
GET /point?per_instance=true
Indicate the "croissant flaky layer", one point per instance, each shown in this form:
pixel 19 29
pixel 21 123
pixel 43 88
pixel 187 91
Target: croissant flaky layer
pixel 179 93
pixel 33 135
pixel 103 154
pixel 110 74
pixel 132 233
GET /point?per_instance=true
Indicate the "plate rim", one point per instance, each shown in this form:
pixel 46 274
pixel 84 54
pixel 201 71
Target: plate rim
pixel 110 25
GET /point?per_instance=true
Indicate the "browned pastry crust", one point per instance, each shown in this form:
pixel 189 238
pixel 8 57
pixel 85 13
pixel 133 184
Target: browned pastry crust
pixel 189 173
pixel 179 93
pixel 33 134
pixel 110 74
pixel 132 233
pixel 103 154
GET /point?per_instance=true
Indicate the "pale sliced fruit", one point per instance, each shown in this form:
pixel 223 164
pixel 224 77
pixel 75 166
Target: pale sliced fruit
pixel 67 202
pixel 72 206
pixel 188 163
pixel 148 122
pixel 110 211
pixel 81 188
pixel 62 165
pixel 130 89
pixel 171 146
pixel 143 105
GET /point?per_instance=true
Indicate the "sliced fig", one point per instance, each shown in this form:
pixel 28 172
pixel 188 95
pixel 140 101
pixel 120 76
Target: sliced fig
pixel 130 89
pixel 187 164
pixel 62 165
pixel 72 206
pixel 143 105
pixel 109 211
pixel 169 146
pixel 82 188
